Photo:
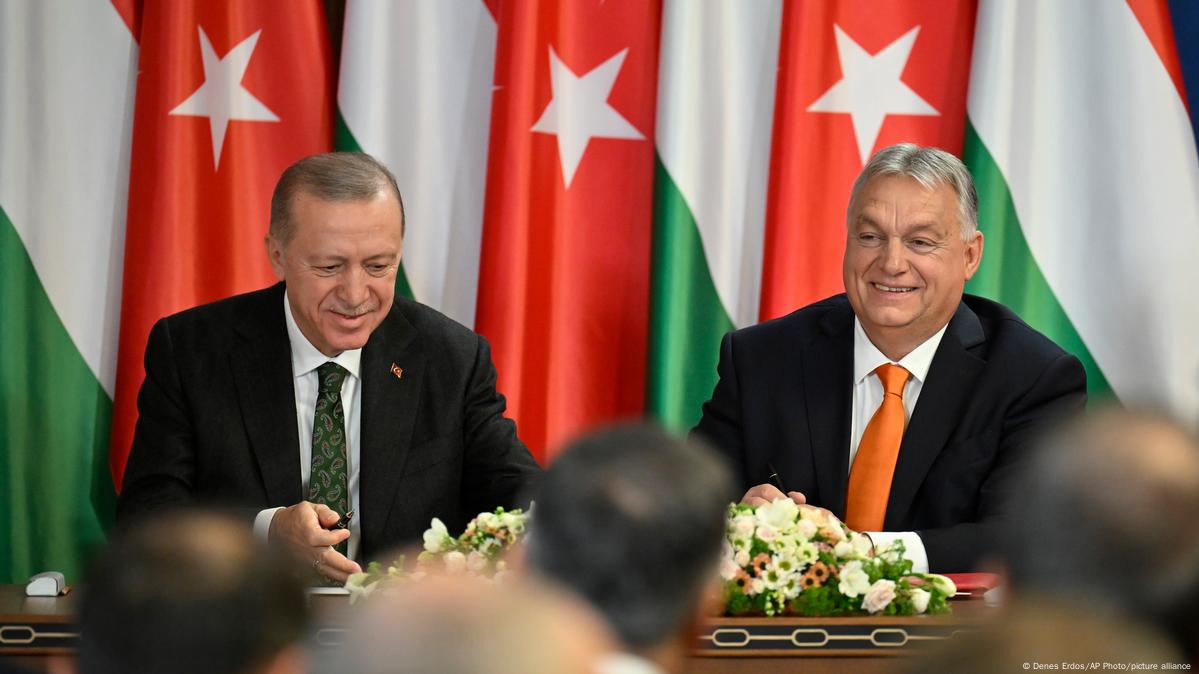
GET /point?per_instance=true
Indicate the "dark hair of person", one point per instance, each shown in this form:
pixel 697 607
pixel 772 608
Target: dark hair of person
pixel 188 593
pixel 632 519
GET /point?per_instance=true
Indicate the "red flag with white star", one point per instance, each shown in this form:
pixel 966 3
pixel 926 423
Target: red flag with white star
pixel 228 95
pixel 564 275
pixel 854 76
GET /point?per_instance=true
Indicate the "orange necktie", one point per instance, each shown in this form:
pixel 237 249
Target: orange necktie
pixel 874 464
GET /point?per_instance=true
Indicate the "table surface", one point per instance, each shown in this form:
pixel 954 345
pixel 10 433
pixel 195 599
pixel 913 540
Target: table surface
pixel 40 626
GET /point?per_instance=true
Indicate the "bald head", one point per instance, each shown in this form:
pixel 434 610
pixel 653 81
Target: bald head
pixel 468 626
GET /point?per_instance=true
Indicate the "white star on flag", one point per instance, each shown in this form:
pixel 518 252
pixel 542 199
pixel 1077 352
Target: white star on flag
pixel 222 98
pixel 870 88
pixel 579 110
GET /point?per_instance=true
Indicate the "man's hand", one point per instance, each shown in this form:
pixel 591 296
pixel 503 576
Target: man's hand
pixel 767 493
pixel 304 530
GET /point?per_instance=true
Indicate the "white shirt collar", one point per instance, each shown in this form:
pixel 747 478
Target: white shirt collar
pixel 867 357
pixel 305 357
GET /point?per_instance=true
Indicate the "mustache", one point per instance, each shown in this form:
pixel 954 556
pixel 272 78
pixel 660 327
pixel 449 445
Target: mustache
pixel 354 312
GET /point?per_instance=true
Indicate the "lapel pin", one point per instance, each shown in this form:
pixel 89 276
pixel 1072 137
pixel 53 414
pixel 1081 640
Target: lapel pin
pixel 397 371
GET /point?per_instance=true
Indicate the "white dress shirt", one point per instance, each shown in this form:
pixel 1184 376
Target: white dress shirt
pixel 868 396
pixel 305 359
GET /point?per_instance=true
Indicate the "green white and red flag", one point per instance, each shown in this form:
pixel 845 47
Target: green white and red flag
pixel 564 271
pixel 229 94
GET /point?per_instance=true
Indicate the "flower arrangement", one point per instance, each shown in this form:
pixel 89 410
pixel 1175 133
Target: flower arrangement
pixel 778 559
pixel 480 549
pixel 781 559
pixel 479 552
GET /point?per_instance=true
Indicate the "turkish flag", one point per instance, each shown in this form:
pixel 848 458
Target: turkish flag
pixel 228 95
pixel 564 274
pixel 855 76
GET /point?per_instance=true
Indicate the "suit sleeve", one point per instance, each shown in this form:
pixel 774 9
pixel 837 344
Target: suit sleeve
pixel 498 470
pixel 720 425
pixel 161 468
pixel 1058 393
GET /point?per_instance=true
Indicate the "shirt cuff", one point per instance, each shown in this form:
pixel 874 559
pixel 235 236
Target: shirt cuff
pixel 262 523
pixel 913 546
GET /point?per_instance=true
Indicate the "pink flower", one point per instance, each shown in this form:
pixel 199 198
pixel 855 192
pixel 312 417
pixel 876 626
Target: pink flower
pixel 879 596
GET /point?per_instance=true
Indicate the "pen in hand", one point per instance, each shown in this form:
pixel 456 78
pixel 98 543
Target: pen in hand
pixel 774 477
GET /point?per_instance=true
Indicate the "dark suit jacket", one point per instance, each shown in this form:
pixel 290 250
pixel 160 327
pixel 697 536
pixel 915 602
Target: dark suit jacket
pixel 786 389
pixel 217 420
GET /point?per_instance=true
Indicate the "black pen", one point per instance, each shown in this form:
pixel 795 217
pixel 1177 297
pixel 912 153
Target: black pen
pixel 774 477
pixel 344 521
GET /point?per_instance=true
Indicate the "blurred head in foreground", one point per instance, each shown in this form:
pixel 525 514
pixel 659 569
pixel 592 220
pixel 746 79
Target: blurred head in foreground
pixel 1109 515
pixel 443 625
pixel 191 593
pixel 632 520
pixel 1045 633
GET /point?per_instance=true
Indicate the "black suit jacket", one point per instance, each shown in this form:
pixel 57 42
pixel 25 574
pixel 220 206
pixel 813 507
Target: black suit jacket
pixel 217 420
pixel 784 400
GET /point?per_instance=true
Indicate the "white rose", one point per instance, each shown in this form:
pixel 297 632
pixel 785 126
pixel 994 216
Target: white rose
pixel 741 558
pixel 806 529
pixel 861 544
pixel 436 536
pixel 843 549
pixel 919 599
pixel 879 596
pixel 455 563
pixel 778 513
pixel 854 580
pixel 475 561
pixel 728 568
pixel 767 533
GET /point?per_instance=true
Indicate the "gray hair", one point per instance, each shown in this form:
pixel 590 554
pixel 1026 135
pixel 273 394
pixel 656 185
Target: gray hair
pixel 333 176
pixel 931 167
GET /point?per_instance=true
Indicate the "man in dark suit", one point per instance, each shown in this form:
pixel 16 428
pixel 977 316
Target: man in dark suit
pixel 902 406
pixel 325 394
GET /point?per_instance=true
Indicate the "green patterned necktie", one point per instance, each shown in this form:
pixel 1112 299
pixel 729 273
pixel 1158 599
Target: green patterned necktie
pixel 329 482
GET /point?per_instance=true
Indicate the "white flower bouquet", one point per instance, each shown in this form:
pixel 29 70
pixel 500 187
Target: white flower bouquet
pixel 478 552
pixel 780 559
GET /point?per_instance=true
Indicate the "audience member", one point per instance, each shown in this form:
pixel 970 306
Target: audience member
pixel 632 520
pixel 465 626
pixel 192 593
pixel 1048 635
pixel 1108 516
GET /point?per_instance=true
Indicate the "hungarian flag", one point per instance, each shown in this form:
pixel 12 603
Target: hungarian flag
pixel 229 94
pixel 716 81
pixel 753 226
pixel 66 90
pixel 564 276
pixel 1088 182
pixel 413 97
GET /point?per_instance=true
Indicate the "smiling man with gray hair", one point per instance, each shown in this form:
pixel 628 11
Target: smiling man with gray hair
pixel 903 405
